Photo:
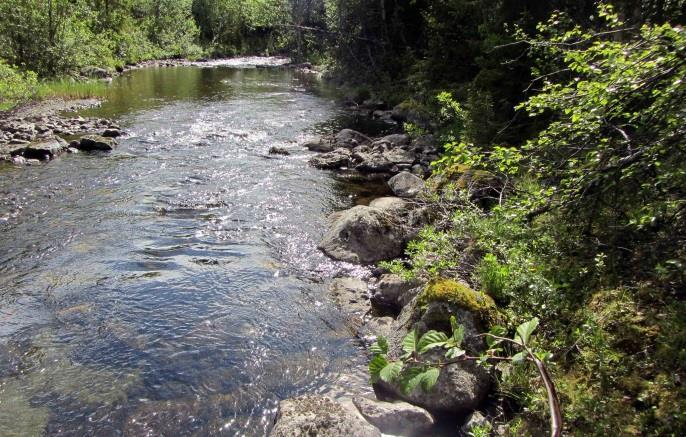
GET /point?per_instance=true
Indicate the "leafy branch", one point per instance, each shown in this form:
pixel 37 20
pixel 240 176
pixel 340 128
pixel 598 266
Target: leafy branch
pixel 413 369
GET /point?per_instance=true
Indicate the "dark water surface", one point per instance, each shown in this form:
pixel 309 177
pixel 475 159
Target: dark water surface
pixel 173 286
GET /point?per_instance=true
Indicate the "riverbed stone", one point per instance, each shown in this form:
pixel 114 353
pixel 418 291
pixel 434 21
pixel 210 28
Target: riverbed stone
pixel 97 142
pixel 112 133
pixel 45 149
pixel 373 163
pixel 350 139
pixel 319 416
pixel 396 418
pixel 364 235
pixel 336 159
pixel 320 145
pixel 393 292
pixel 406 185
pixel 275 150
pixel 352 295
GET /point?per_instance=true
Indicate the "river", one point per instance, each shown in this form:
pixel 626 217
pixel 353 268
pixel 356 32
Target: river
pixel 173 286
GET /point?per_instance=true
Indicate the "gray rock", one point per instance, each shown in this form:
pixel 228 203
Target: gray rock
pixel 351 294
pixel 112 133
pixel 364 235
pixel 350 139
pixel 321 145
pixel 96 72
pixel 400 156
pixel 45 150
pixel 373 163
pixel 397 418
pixel 394 140
pixel 319 416
pixel 332 160
pixel 390 204
pixel 462 386
pixel 476 419
pixel 406 185
pixel 278 151
pixel 97 142
pixel 394 292
pixel 379 326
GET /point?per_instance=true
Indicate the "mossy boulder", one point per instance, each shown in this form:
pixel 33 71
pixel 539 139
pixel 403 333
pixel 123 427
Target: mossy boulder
pixel 462 296
pixel 480 184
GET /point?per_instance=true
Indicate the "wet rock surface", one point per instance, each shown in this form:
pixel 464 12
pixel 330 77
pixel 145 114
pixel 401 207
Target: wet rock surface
pixel 364 235
pixel 396 418
pixel 319 416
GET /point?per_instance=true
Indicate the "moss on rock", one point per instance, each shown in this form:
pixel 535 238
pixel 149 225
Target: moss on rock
pixel 461 295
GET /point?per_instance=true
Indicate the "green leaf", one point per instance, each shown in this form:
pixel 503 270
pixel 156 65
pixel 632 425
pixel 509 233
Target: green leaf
pixel 380 347
pixel 458 331
pixel 410 379
pixel 498 331
pixel 376 365
pixel 410 342
pixel 525 330
pixel 519 358
pixel 391 372
pixel 431 340
pixel 429 378
pixel 454 352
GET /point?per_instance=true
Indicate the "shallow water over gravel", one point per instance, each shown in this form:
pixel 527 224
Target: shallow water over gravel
pixel 173 286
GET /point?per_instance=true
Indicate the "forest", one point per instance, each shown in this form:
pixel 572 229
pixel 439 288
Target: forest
pixel 567 117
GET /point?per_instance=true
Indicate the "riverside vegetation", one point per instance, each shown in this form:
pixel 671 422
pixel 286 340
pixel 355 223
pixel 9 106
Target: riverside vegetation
pixel 556 199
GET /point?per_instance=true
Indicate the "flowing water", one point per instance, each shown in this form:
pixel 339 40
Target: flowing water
pixel 173 286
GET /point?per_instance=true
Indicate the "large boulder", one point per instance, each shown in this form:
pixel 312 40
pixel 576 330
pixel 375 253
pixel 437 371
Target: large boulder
pixel 364 235
pixel 396 418
pixel 461 386
pixel 406 185
pixel 45 149
pixel 97 142
pixel 373 163
pixel 367 234
pixel 393 140
pixel 335 159
pixel 350 139
pixel 319 416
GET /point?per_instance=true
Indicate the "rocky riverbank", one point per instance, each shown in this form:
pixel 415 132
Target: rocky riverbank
pixel 386 304
pixel 37 132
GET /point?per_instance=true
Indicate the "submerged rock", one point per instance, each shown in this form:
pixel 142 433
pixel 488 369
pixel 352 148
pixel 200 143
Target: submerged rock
pixel 397 418
pixel 278 151
pixel 319 416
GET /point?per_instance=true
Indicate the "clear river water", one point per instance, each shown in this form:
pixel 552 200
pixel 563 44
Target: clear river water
pixel 173 286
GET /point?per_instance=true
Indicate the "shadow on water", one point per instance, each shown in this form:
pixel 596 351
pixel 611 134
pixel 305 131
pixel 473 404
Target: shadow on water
pixel 173 287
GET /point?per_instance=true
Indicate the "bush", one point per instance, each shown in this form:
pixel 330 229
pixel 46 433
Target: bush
pixel 15 85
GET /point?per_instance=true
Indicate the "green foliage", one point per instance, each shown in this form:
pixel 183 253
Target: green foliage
pixel 15 86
